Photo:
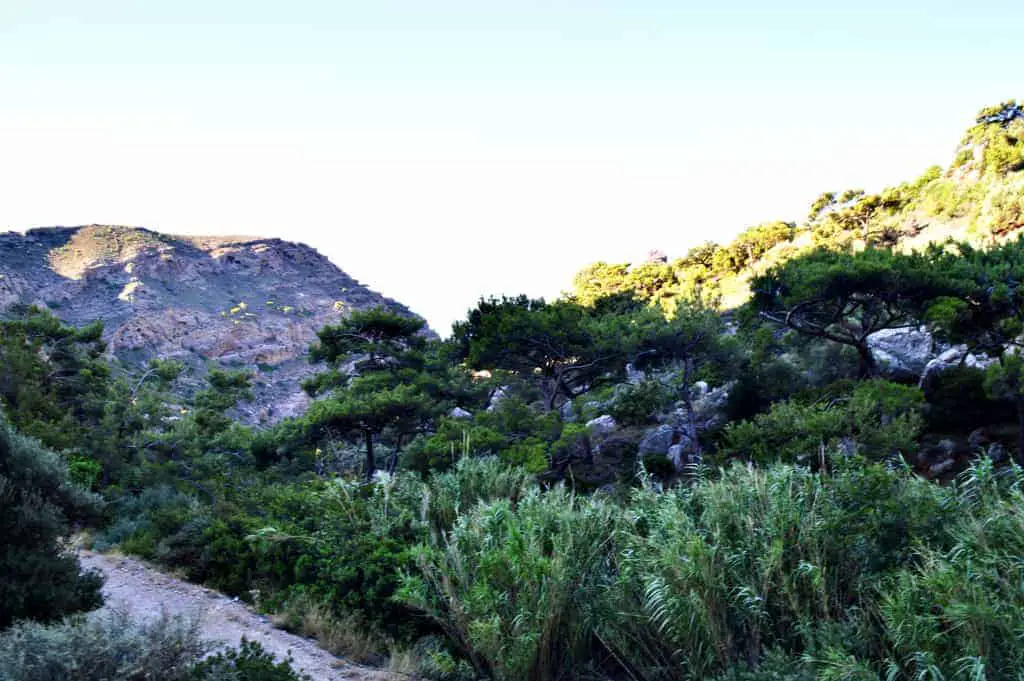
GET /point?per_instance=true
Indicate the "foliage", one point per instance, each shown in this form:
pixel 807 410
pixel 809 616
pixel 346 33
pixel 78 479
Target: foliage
pixel 999 132
pixel 38 504
pixel 512 584
pixel 564 347
pixel 987 314
pixel 845 297
pixel 958 402
pixel 112 647
pixel 248 662
pixel 636 405
pixel 392 392
pixel 104 647
pixel 877 419
pixel 750 245
pixel 52 379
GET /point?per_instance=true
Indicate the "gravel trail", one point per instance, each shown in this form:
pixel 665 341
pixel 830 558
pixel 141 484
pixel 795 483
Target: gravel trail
pixel 143 592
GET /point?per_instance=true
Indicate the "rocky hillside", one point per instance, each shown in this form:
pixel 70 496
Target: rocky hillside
pixel 237 302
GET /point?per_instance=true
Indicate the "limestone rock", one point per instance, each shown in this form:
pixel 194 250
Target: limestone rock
pixel 459 413
pixel 902 353
pixel 500 393
pixel 634 376
pixel 952 357
pixel 601 426
pixel 657 440
pixel 997 452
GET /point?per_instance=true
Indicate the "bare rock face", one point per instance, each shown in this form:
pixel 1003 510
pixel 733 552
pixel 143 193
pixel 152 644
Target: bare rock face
pixel 241 303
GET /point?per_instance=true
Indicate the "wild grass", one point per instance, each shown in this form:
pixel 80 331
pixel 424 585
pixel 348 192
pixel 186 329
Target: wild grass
pixel 859 572
pixel 349 636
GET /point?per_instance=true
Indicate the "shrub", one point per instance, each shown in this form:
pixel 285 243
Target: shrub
pixel 472 481
pixel 38 502
pixel 110 646
pixel 249 662
pixel 103 648
pixel 877 419
pixel 957 401
pixel 961 611
pixel 636 405
pixel 350 637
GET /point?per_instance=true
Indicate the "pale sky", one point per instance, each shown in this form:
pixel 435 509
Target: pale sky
pixel 443 150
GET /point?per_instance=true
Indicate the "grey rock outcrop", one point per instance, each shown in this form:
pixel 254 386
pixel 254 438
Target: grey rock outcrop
pixel 957 355
pixel 902 353
pixel 657 440
pixel 500 393
pixel 601 426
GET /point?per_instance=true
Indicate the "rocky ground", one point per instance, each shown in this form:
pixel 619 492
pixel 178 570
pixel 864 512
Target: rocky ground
pixel 143 592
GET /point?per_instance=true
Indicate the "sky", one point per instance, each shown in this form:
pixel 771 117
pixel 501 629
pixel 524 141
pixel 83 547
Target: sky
pixel 444 150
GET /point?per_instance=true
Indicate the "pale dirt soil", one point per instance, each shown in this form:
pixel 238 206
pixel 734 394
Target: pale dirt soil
pixel 144 593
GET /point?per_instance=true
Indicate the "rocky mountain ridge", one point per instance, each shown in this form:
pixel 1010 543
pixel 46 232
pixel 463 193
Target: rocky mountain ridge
pixel 236 302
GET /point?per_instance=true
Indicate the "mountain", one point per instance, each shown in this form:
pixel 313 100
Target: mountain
pixel 237 302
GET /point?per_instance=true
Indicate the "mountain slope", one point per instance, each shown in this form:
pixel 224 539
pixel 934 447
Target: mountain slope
pixel 978 198
pixel 237 302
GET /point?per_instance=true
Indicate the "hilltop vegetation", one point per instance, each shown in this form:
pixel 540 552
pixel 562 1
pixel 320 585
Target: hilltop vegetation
pixel 977 199
pixel 820 479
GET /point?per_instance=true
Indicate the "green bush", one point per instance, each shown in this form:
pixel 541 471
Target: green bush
pixel 960 613
pixel 957 402
pixel 112 647
pixel 877 419
pixel 38 503
pixel 249 662
pixel 636 405
pixel 108 647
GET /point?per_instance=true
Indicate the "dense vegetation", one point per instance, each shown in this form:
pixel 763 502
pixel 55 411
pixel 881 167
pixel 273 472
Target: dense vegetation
pixel 624 483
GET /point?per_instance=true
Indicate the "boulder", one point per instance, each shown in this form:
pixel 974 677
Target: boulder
pixel 567 412
pixel 700 390
pixel 940 457
pixel 952 357
pixel 459 413
pixel 602 425
pixel 682 455
pixel 902 353
pixel 935 470
pixel 634 375
pixel 708 408
pixel 500 393
pixel 978 439
pixel 657 440
pixel 996 452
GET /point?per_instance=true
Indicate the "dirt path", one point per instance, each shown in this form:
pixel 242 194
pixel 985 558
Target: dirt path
pixel 144 592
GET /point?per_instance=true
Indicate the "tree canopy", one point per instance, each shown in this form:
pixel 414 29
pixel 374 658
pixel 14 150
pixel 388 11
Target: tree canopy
pixel 844 297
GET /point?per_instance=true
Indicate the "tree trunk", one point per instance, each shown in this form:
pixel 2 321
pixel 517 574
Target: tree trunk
pixel 371 466
pixel 691 416
pixel 393 461
pixel 1020 430
pixel 868 366
pixel 552 390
